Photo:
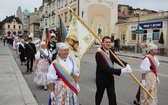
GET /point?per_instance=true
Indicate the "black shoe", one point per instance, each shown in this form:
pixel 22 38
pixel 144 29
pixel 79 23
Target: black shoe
pixel 136 103
pixel 27 71
pixel 31 70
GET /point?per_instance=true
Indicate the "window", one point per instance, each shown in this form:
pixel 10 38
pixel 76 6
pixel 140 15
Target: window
pixel 133 36
pixel 19 27
pixel 25 17
pixel 25 21
pixel 8 26
pixel 70 16
pixel 66 17
pixel 46 22
pixel 66 2
pixel 13 26
pixel 155 34
pixel 53 20
pixel 144 36
pixel 123 37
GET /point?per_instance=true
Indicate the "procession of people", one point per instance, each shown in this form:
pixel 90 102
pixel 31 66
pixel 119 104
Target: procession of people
pixel 55 70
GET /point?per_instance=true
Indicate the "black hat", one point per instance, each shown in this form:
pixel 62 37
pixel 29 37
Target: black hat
pixel 29 38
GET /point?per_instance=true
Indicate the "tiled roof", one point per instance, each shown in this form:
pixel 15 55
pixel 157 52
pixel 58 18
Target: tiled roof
pixel 10 19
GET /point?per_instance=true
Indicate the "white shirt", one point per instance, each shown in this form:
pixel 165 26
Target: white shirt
pixel 51 75
pixel 108 52
pixel 145 64
pixel 37 55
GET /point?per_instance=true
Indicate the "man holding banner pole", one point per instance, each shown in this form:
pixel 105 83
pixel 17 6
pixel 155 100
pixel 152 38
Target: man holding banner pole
pixel 114 55
pixel 105 70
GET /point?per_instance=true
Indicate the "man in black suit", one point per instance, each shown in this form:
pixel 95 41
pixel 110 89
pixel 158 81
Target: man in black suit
pixel 105 71
pixel 30 51
pixel 52 45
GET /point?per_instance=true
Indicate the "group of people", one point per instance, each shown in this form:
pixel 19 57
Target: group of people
pixel 105 58
pixel 53 66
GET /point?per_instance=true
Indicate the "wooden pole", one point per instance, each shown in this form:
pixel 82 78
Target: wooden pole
pixel 131 74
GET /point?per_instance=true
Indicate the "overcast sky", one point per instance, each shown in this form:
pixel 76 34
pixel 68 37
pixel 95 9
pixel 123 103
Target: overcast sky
pixel 9 7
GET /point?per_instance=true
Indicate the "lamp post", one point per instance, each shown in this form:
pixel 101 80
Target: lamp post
pixel 138 49
pixel 138 31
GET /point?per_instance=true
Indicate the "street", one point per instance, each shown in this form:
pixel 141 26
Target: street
pixel 125 86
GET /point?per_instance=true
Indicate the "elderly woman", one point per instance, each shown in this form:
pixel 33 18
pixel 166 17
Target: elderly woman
pixel 149 70
pixel 62 76
pixel 43 59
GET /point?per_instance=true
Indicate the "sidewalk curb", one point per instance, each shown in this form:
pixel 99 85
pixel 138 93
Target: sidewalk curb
pixel 26 92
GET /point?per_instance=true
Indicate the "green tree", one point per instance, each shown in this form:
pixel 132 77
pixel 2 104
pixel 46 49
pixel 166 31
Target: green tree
pixel 161 40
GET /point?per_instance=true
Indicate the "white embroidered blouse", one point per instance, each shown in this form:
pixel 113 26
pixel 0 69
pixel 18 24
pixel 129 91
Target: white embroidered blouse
pixel 37 55
pixel 67 63
pixel 145 64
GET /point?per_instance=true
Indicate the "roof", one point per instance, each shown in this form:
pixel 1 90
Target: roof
pixel 10 19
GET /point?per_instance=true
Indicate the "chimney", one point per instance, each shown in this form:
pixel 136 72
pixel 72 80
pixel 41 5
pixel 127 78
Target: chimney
pixel 35 9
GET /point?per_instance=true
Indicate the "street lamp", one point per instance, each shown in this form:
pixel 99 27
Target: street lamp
pixel 138 46
pixel 138 31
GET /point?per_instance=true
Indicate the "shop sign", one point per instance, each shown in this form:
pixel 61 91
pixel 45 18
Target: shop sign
pixel 151 25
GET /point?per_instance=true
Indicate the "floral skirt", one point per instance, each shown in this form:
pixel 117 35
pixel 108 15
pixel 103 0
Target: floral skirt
pixel 40 73
pixel 64 95
pixel 150 86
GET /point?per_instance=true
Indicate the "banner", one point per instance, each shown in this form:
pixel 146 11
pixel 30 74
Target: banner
pixel 79 40
pixel 63 30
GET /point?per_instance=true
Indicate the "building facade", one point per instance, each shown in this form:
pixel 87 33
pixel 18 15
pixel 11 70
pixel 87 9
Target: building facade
pixel 12 25
pixel 34 24
pixel 1 30
pixel 126 11
pixel 90 11
pixel 23 16
pixel 152 26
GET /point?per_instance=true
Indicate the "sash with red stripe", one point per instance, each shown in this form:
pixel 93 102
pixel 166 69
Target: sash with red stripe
pixel 106 58
pixel 65 76
pixel 153 64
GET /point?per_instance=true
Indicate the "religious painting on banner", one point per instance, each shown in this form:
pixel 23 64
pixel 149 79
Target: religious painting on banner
pixel 79 40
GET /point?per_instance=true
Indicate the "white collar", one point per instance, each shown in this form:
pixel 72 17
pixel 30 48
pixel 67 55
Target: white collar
pixel 105 50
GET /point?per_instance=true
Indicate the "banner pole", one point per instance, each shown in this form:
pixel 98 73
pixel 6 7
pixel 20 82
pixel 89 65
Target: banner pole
pixel 131 74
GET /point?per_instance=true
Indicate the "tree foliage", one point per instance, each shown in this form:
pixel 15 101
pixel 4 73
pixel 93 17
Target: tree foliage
pixel 161 40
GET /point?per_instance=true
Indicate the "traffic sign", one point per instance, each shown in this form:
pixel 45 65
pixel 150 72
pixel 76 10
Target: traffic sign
pixel 139 31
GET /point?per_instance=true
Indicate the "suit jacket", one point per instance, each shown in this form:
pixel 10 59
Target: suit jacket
pixel 103 72
pixel 22 50
pixel 30 52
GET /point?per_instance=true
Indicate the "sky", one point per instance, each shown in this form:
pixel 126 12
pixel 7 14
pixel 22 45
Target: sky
pixel 9 7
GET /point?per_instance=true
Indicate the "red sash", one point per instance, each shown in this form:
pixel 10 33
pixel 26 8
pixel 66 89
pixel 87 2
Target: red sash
pixel 152 64
pixel 106 59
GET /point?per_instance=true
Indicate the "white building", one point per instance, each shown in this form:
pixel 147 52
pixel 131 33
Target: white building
pixel 99 15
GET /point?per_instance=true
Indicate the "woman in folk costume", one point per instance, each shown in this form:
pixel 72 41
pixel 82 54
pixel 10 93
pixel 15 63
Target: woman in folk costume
pixel 21 50
pixel 43 59
pixel 150 78
pixel 62 76
pixel 14 42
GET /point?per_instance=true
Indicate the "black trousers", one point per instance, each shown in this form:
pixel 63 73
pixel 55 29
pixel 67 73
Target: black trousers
pixel 110 93
pixel 30 61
